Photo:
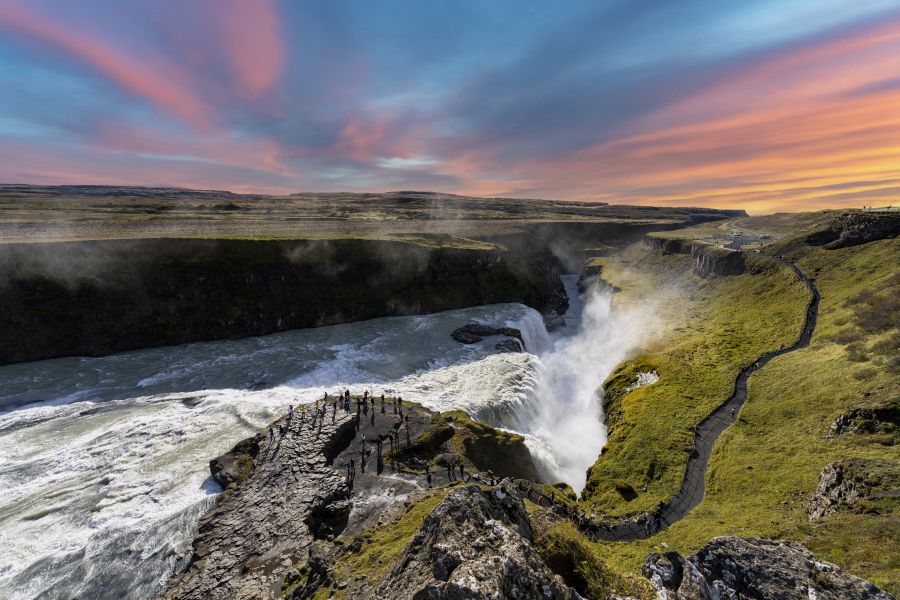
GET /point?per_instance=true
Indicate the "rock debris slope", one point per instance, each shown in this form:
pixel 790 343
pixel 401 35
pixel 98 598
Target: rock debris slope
pixel 474 545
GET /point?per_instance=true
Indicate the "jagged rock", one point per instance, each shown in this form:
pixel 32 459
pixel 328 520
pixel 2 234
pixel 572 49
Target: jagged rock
pixel 280 496
pixel 708 259
pixel 464 337
pixel 868 419
pixel 317 572
pixel 474 545
pixel 753 569
pixel 237 464
pixel 849 483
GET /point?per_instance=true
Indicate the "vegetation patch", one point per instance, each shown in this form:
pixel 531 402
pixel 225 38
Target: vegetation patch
pixel 806 409
pixel 380 547
pixel 580 564
pixel 455 437
pixel 710 328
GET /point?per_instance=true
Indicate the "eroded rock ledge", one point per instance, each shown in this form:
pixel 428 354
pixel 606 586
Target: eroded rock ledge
pixel 852 485
pixel 279 497
pixel 474 332
pixel 731 567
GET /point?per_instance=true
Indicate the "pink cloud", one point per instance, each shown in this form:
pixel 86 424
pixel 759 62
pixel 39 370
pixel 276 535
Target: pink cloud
pixel 159 82
pixel 251 38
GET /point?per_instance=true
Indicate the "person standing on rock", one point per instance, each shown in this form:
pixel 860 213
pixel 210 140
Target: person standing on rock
pixel 271 434
pixel 449 470
pixel 382 403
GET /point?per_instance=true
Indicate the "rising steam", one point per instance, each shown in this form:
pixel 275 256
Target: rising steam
pixel 566 425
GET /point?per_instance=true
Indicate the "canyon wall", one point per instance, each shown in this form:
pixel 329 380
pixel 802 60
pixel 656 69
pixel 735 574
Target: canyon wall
pixel 708 259
pixel 98 297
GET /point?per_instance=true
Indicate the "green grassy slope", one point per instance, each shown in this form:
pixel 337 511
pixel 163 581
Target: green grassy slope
pixel 714 327
pixel 764 468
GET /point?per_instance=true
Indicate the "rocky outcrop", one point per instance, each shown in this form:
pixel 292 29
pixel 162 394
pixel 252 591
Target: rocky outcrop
pixel 712 260
pixel 848 484
pixel 456 438
pixel 474 332
pixel 855 228
pixel 591 278
pixel 280 495
pixel 877 418
pixel 98 297
pixel 753 569
pixel 474 545
pixel 707 258
pixel 235 466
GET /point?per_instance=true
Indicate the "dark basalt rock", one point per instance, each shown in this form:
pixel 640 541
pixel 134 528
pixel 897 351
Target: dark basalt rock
pixel 281 495
pixel 753 569
pixel 93 298
pixel 237 464
pixel 508 346
pixel 474 545
pixel 475 332
pixel 708 259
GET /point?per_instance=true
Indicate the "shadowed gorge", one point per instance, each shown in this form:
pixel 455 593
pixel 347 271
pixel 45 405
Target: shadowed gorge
pixel 591 300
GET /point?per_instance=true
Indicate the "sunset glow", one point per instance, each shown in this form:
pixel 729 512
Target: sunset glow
pixel 767 106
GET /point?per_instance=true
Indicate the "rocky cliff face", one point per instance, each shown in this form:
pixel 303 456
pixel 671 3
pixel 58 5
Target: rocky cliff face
pixel 280 495
pixel 753 569
pixel 852 485
pixel 708 259
pixel 474 545
pixel 855 228
pixel 94 298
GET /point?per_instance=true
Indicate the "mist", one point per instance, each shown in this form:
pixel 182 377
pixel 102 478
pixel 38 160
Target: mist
pixel 566 424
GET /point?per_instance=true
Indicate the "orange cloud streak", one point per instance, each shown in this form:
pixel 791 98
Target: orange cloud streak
pixel 798 131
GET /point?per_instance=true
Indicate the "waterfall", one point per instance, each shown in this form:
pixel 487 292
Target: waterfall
pixel 558 405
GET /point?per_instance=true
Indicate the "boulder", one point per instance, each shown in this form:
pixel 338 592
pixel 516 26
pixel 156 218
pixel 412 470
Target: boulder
pixel 753 569
pixel 475 332
pixel 237 464
pixel 876 418
pixel 475 544
pixel 849 484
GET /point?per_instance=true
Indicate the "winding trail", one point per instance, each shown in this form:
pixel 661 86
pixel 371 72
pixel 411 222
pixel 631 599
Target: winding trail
pixel 693 484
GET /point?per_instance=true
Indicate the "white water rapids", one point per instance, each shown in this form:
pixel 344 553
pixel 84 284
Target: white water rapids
pixel 104 461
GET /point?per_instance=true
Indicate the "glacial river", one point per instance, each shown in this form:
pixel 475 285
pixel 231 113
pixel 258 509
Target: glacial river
pixel 104 461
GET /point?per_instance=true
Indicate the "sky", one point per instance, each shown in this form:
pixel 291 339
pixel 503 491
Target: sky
pixel 765 105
